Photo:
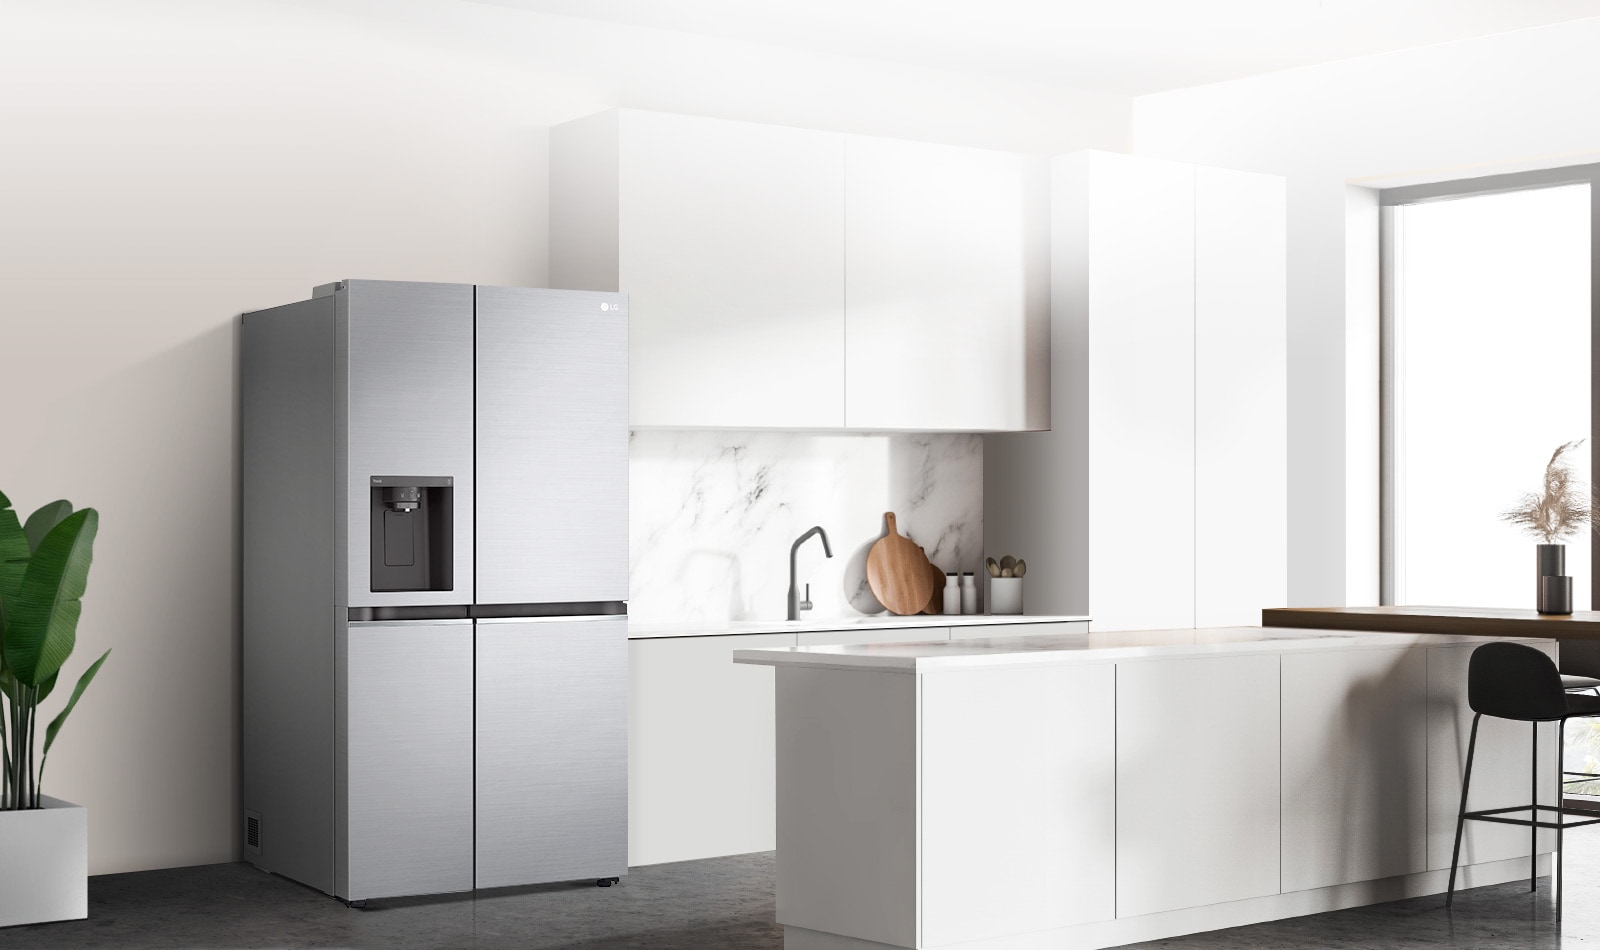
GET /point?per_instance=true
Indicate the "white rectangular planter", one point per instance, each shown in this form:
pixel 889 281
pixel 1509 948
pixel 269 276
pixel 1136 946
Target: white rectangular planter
pixel 45 873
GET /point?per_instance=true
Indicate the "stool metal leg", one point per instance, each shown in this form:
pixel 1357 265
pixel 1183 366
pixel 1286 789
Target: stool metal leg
pixel 1561 813
pixel 1461 815
pixel 1533 830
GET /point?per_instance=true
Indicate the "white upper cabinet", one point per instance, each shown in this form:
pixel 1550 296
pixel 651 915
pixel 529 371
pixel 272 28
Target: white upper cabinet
pixel 728 238
pixel 940 285
pixel 797 279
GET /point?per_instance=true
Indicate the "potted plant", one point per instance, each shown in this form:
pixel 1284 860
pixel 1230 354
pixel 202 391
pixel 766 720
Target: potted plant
pixel 1557 513
pixel 44 569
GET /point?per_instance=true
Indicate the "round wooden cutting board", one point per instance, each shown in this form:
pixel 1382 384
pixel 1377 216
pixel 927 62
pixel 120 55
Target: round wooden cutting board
pixel 898 572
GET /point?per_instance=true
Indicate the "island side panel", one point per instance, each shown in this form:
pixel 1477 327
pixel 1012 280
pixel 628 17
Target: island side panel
pixel 1354 766
pixel 1018 800
pixel 847 775
pixel 1197 782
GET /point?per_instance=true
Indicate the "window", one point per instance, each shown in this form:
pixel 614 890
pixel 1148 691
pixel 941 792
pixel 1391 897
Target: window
pixel 1487 330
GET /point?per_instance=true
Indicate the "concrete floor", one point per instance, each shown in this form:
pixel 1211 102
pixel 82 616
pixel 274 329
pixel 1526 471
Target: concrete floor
pixel 720 904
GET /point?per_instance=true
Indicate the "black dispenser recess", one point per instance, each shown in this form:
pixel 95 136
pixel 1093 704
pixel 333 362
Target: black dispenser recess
pixel 411 532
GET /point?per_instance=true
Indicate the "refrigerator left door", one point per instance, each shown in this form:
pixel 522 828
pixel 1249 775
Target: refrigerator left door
pixel 407 754
pixel 407 386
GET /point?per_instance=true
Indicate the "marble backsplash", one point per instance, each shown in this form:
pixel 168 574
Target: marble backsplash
pixel 712 515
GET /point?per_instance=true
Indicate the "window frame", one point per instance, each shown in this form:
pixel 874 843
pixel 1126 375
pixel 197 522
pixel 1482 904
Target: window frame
pixel 1391 554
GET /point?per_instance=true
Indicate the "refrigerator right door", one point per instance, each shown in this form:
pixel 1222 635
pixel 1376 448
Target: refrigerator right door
pixel 552 436
pixel 552 749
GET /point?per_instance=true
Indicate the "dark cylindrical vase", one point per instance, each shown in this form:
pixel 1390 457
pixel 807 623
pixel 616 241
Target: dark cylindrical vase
pixel 1552 562
pixel 1552 559
pixel 1555 595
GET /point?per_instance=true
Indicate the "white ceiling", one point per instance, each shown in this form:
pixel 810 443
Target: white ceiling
pixel 1126 47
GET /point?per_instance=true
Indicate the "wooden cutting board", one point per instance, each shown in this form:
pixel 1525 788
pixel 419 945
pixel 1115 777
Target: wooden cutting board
pixel 898 572
pixel 936 599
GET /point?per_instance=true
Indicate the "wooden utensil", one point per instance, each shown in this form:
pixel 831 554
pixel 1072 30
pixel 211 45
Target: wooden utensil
pixel 936 599
pixel 1007 563
pixel 992 566
pixel 1020 569
pixel 897 572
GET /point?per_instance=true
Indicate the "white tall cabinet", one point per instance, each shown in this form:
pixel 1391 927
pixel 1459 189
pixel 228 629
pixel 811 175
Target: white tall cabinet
pixel 1158 498
pixel 1241 421
pixel 803 279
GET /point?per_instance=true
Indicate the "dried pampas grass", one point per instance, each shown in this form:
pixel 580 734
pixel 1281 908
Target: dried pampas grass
pixel 1562 510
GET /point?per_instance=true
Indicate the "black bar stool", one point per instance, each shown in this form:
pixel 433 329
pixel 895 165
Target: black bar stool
pixel 1580 671
pixel 1514 681
pixel 1580 665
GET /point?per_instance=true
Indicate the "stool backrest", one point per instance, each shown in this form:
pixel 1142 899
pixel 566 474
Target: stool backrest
pixel 1514 681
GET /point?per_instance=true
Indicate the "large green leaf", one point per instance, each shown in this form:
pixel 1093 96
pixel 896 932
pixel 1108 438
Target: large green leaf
pixel 11 691
pixel 77 691
pixel 42 625
pixel 40 522
pixel 46 687
pixel 14 553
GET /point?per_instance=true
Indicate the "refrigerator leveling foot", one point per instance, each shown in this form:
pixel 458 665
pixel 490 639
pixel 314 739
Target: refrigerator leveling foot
pixel 607 881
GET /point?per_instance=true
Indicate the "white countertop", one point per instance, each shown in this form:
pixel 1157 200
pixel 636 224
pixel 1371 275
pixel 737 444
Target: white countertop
pixel 723 628
pixel 1087 647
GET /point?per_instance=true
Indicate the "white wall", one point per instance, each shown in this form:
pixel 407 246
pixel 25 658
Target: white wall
pixel 167 165
pixel 1499 103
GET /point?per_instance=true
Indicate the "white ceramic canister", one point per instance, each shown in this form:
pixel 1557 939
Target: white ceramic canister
pixel 969 593
pixel 952 594
pixel 1005 595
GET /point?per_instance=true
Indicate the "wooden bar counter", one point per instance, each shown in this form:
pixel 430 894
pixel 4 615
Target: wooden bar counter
pixel 1470 621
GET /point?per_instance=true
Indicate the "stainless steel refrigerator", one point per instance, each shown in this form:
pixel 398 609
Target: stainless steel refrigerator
pixel 434 489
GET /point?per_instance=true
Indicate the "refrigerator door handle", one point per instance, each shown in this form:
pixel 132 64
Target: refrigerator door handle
pixel 408 623
pixel 567 618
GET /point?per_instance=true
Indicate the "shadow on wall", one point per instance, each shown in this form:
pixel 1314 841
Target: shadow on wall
pixel 857 593
pixel 153 750
pixel 1373 706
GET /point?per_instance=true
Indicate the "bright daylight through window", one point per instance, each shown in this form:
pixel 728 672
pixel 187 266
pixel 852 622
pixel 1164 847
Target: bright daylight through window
pixel 1491 374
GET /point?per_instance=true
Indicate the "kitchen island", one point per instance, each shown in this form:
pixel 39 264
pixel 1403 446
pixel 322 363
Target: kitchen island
pixel 1092 790
pixel 701 735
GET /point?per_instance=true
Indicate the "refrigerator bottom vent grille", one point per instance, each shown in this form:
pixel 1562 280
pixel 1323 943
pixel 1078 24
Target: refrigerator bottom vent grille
pixel 252 832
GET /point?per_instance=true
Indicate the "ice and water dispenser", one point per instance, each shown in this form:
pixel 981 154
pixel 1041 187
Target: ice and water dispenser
pixel 412 530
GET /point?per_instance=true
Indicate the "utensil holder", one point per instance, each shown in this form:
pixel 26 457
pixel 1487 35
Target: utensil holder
pixel 1005 595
